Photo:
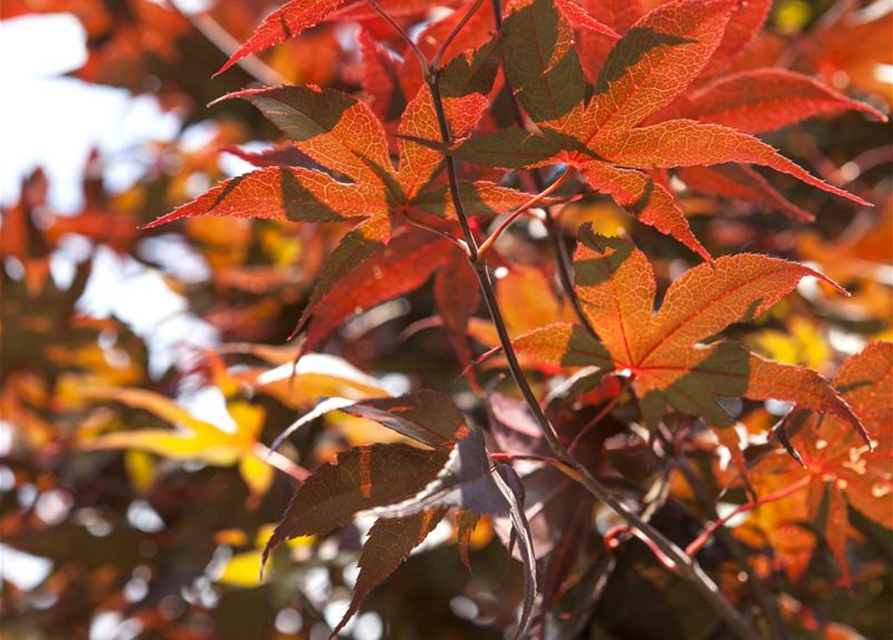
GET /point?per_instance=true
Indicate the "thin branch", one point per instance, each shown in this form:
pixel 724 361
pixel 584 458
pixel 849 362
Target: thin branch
pixel 279 461
pixel 435 61
pixel 421 224
pixel 766 600
pixel 535 200
pixel 699 542
pixel 592 424
pixel 563 261
pixel 686 567
pixel 387 17
pixel 217 35
pixel 433 80
pixel 532 457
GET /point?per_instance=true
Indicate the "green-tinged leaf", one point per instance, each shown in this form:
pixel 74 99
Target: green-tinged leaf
pixel 338 131
pixel 616 287
pixel 471 72
pixel 541 63
pixel 655 61
pixel 562 345
pixel 507 149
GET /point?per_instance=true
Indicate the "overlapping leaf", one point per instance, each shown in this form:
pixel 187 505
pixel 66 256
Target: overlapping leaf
pixel 410 489
pixel 837 466
pixel 664 350
pixel 647 71
pixel 193 439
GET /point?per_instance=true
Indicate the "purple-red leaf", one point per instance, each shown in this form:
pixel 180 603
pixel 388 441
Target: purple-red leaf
pixel 740 182
pixel 389 543
pixel 400 267
pixel 359 479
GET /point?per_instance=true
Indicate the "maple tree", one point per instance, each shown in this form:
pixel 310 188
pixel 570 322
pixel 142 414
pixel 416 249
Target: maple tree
pixel 452 313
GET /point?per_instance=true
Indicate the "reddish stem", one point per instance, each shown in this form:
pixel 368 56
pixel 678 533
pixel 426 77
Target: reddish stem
pixel 592 424
pixel 535 200
pixel 699 542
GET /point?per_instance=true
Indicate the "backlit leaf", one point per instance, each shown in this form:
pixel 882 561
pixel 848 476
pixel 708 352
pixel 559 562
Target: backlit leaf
pixel 286 22
pixel 767 99
pixel 663 350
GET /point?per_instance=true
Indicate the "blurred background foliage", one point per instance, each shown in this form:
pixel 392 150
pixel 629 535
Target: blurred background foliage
pixel 107 329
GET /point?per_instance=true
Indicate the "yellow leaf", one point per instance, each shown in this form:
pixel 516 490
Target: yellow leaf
pixel 243 570
pixel 258 475
pixel 141 470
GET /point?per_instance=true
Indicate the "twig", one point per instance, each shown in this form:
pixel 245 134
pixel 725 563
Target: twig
pixel 535 200
pixel 699 542
pixel 438 56
pixel 387 17
pixel 765 600
pixel 685 566
pixel 421 224
pixel 279 461
pixel 601 414
pixel 562 259
pixel 531 457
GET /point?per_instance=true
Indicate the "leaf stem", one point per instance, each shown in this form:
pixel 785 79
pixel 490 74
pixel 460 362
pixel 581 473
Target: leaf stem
pixel 699 542
pixel 218 36
pixel 532 202
pixel 592 424
pixel 387 17
pixel 532 457
pixel 686 567
pixel 766 600
pixel 421 224
pixel 435 61
pixel 279 461
pixel 562 260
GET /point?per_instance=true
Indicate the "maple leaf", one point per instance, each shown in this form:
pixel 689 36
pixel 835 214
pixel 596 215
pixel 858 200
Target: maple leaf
pixel 663 350
pixel 344 135
pixel 389 543
pixel 411 485
pixel 287 21
pixel 837 466
pixel 653 64
pixel 760 100
pixel 194 439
